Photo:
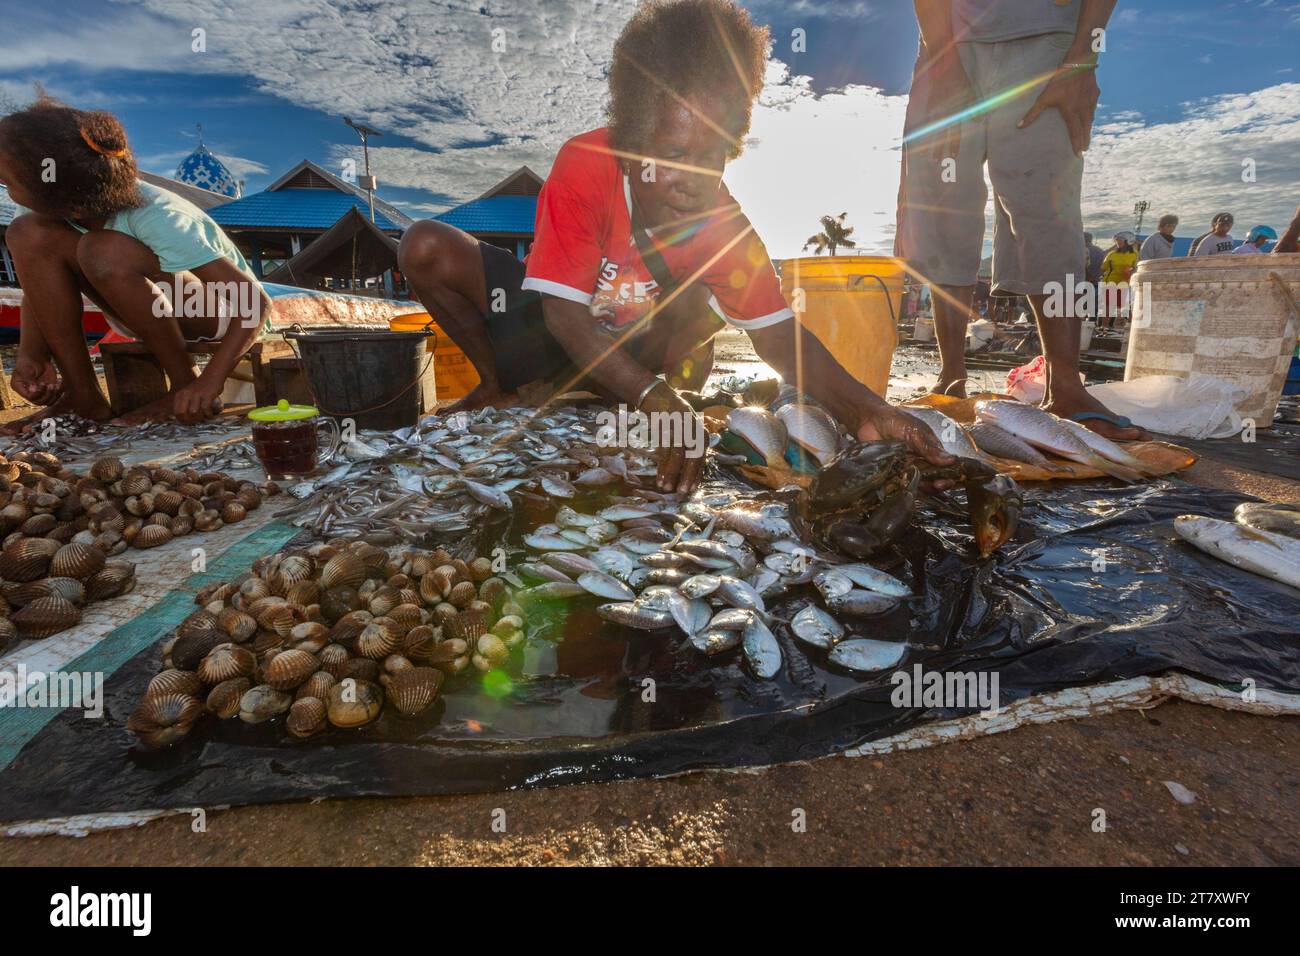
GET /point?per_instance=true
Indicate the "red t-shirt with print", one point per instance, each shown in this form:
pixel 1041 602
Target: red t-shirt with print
pixel 584 250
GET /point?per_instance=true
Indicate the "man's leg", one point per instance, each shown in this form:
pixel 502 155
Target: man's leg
pixel 445 270
pixel 952 305
pixel 45 254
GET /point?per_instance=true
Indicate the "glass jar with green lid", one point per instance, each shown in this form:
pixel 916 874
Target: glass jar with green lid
pixel 286 438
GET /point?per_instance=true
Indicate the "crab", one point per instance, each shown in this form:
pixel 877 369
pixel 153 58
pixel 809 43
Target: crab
pixel 864 498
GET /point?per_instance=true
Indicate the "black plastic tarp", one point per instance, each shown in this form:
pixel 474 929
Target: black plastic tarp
pixel 1096 587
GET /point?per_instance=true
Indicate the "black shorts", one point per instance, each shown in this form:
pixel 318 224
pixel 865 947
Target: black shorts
pixel 525 349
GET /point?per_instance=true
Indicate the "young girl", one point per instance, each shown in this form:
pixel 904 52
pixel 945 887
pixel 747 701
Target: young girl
pixel 1116 269
pixel 87 225
pixel 641 253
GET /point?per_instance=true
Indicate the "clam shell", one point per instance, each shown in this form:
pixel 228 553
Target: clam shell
pixel 309 631
pixel 419 643
pixel 406 616
pixel 172 681
pixel 192 646
pixel 20 595
pixel 182 525
pixel 343 570
pixel 303 593
pixel 468 626
pixel 444 613
pixel 162 721
pixel 197 621
pixel 27 559
pixel 435 586
pixel 362 668
pixel 151 536
pixel 281 618
pixel 289 669
pixel 350 625
pixel 45 616
pixel 383 601
pixel 168 501
pixel 78 561
pixel 136 482
pixel 8 633
pixel 413 689
pixel 233 511
pixel 480 569
pixel 107 469
pixel 307 716
pixel 492 591
pixel 334 660
pixel 115 578
pixel 294 568
pixel 317 685
pixel 493 649
pixel 39 525
pixel 226 662
pixel 238 624
pixel 223 700
pixel 378 639
pixel 261 703
pixel 462 594
pixel 353 703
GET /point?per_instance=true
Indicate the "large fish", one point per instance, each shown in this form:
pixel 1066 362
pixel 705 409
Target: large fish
pixel 992 440
pixel 1278 518
pixel 812 429
pixel 1044 430
pixel 1107 448
pixel 1261 552
pixel 949 431
pixel 761 431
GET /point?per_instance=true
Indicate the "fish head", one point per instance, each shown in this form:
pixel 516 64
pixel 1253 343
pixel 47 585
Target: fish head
pixel 995 505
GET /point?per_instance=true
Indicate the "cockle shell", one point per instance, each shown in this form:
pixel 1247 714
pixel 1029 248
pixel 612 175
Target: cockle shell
pixel 354 703
pixel 238 624
pixel 78 561
pixel 8 633
pixel 162 721
pixel 39 525
pixel 233 511
pixel 334 659
pixel 107 469
pixel 45 616
pixel 419 643
pixel 413 689
pixel 383 601
pixel 172 681
pixel 136 482
pixel 435 586
pixel 289 669
pixel 378 639
pixel 168 502
pixel 317 685
pixel 192 646
pixel 362 668
pixel 343 570
pixel 223 700
pixel 462 594
pixel 115 578
pixel 406 616
pixel 151 536
pixel 281 618
pixel 468 625
pixel 350 625
pixel 307 716
pixel 261 703
pixel 226 662
pixel 27 559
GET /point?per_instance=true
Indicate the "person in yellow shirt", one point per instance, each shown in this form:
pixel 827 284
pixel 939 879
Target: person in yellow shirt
pixel 1116 269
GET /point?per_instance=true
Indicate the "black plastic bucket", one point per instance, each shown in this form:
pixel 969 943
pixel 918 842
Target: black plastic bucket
pixel 372 377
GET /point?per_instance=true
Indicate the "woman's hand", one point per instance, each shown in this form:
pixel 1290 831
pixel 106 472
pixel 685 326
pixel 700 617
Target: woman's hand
pixel 36 380
pixel 196 401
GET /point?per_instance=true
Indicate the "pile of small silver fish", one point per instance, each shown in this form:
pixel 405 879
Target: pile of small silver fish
pixel 708 567
pixel 443 476
pixel 76 437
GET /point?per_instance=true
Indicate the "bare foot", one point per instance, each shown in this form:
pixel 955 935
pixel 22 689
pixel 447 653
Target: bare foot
pixel 1070 405
pixel 481 397
pixel 160 409
pixel 953 387
pixel 94 409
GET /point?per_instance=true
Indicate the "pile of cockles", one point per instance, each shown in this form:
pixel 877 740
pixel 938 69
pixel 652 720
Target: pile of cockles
pixel 326 636
pixel 61 529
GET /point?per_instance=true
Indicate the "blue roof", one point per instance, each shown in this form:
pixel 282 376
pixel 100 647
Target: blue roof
pixel 494 214
pixel 201 168
pixel 296 209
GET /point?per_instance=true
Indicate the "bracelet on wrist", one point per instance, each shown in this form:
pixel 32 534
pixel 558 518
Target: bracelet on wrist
pixel 640 400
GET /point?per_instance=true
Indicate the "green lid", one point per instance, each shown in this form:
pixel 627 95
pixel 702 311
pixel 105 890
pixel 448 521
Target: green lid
pixel 282 411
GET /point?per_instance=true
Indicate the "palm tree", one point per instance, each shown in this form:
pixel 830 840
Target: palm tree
pixel 835 233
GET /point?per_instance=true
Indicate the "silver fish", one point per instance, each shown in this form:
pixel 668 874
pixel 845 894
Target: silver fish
pixel 992 440
pixel 1264 553
pixel 558 487
pixel 552 590
pixel 551 542
pixel 815 627
pixel 1278 518
pixel 635 615
pixel 569 562
pixel 832 584
pixel 950 433
pixel 711 641
pixel 762 652
pixel 812 429
pixel 691 614
pixel 700 585
pixel 762 431
pixel 873 579
pixel 739 593
pixel 758 521
pixel 731 619
pixel 605 586
pixel 862 603
pixel 1047 432
pixel 867 656
pixel 488 495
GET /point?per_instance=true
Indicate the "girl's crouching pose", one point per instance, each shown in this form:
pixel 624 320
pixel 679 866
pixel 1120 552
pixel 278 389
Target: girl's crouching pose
pixel 159 267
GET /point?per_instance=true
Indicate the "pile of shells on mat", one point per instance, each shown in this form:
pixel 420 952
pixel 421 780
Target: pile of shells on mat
pixel 328 635
pixel 51 564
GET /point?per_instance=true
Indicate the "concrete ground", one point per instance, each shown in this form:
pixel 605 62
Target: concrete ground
pixel 1020 798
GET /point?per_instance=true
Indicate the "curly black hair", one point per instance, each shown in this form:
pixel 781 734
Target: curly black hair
pixel 705 51
pixel 94 171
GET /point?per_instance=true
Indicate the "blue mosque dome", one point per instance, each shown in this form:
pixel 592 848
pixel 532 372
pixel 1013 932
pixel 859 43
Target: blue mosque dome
pixel 200 168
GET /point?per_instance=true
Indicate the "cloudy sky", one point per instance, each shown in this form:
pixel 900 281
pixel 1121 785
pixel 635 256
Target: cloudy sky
pixel 1191 90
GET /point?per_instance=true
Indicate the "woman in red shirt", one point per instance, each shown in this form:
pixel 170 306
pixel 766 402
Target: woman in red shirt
pixel 641 254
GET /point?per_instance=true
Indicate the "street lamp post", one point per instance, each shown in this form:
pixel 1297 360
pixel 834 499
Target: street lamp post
pixel 367 181
pixel 1140 210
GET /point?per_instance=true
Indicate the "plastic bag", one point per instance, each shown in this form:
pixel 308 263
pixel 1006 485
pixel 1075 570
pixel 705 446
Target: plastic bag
pixel 1029 382
pixel 1198 407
